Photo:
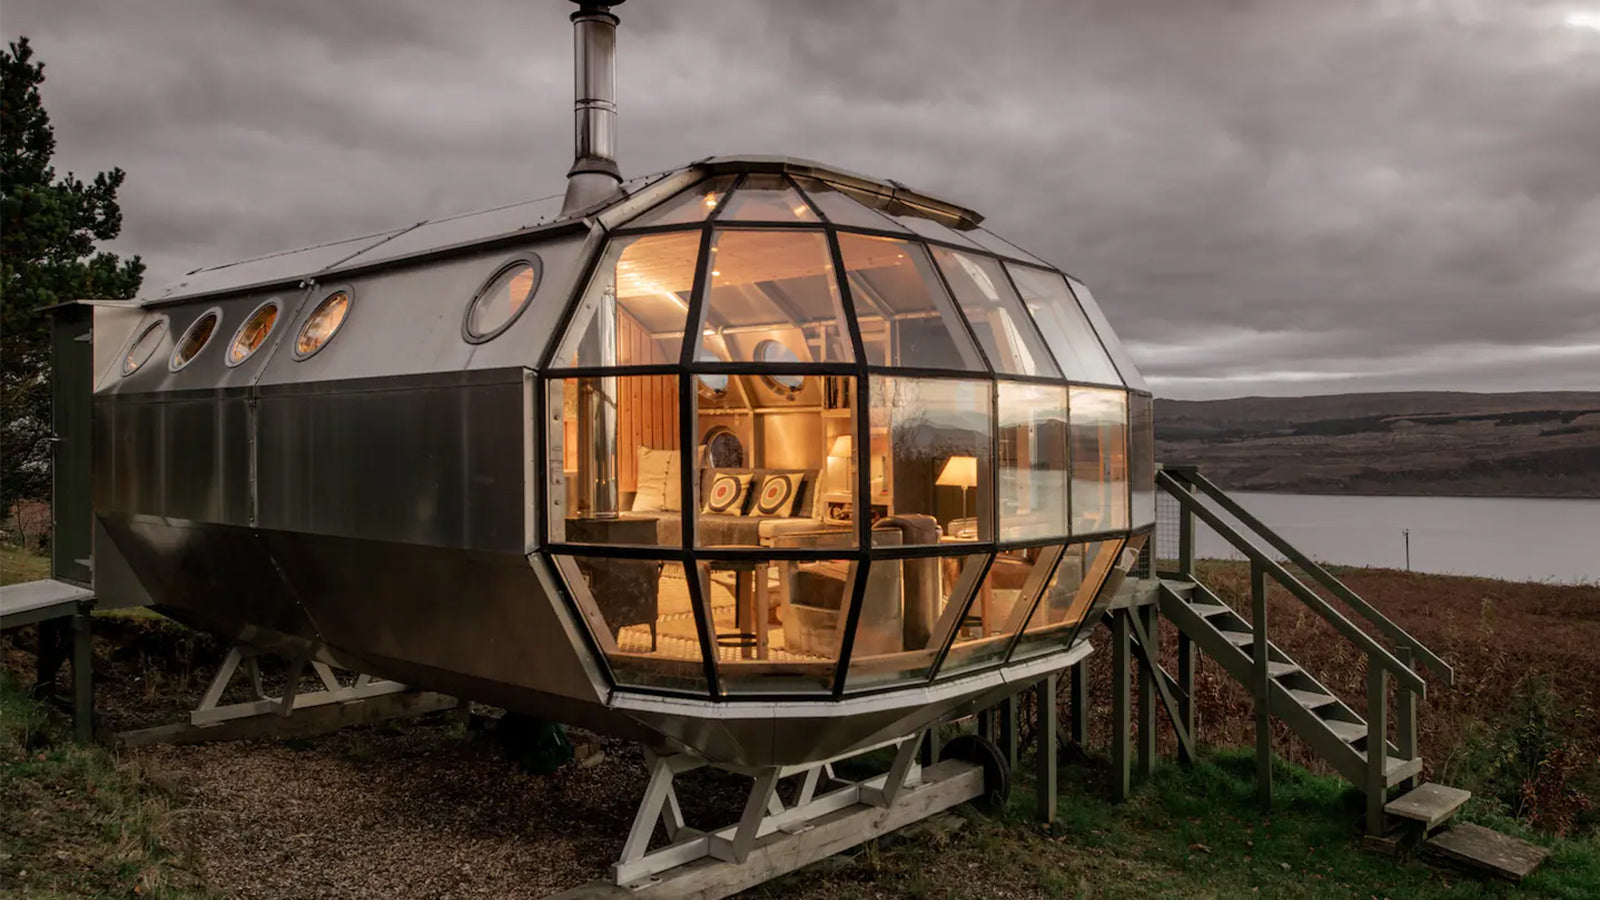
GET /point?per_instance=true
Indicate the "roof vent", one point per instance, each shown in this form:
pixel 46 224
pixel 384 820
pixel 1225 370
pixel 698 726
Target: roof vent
pixel 594 177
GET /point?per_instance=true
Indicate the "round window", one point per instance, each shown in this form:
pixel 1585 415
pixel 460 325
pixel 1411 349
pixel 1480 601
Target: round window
pixel 498 303
pixel 322 324
pixel 144 346
pixel 253 333
pixel 774 352
pixel 195 339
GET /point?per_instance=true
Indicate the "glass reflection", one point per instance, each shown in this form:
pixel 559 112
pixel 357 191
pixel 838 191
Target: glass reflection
pixel 634 310
pixel 840 207
pixel 642 616
pixel 1033 460
pixel 773 286
pixel 779 624
pixel 1099 460
pixel 1004 330
pixel 621 472
pixel 766 198
pixel 930 454
pixel 904 315
pixel 1072 588
pixel 1141 458
pixel 999 608
pixel 920 602
pixel 693 205
pixel 1061 322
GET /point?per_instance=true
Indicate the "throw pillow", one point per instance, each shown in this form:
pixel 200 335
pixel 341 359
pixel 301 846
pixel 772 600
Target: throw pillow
pixel 655 467
pixel 777 495
pixel 727 494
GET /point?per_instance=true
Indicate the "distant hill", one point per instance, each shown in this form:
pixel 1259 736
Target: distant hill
pixel 1532 444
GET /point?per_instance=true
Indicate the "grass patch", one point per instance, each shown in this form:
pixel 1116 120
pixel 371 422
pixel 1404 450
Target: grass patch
pixel 1190 833
pixel 18 565
pixel 78 821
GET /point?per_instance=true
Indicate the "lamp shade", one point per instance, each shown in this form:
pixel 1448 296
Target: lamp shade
pixel 959 471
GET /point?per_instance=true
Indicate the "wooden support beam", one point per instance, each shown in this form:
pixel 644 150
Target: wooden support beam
pixel 1188 657
pixel 1260 685
pixel 1164 687
pixel 1121 715
pixel 305 721
pixel 1010 716
pixel 1377 786
pixel 1080 704
pixel 1046 797
pixel 1405 713
pixel 82 676
pixel 1145 621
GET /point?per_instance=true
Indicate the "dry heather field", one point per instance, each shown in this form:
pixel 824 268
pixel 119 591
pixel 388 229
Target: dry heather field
pixel 435 808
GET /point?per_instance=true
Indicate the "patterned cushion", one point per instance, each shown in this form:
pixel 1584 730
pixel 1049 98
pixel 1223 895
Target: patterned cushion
pixel 777 495
pixel 727 494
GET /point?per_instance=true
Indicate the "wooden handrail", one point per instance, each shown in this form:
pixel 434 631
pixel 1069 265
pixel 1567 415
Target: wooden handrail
pixel 1376 652
pixel 1321 575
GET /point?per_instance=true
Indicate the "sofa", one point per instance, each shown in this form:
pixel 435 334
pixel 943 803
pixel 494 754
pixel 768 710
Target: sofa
pixel 659 500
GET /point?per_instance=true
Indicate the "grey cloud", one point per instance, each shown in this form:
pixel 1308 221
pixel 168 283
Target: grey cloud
pixel 1403 191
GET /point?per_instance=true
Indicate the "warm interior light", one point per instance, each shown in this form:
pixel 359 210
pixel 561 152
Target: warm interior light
pixel 801 211
pixel 959 471
pixel 711 199
pixel 841 447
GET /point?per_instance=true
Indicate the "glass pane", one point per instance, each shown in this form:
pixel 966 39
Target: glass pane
pixel 1071 589
pixel 775 475
pixel 1004 330
pixel 999 608
pixel 194 340
pixel 634 310
pixel 840 209
pixel 1141 458
pixel 500 302
pixel 640 614
pixel 253 333
pixel 915 604
pixel 779 624
pixel 1119 354
pixel 693 205
pixel 1033 460
pixel 321 325
pixel 773 286
pixel 937 230
pixel 145 346
pixel 997 245
pixel 905 317
pixel 1054 310
pixel 621 473
pixel 766 198
pixel 930 455
pixel 1099 460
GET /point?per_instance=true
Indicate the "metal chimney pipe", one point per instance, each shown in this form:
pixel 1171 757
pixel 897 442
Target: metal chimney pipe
pixel 594 177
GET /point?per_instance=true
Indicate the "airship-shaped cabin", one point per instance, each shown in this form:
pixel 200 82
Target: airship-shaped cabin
pixel 756 458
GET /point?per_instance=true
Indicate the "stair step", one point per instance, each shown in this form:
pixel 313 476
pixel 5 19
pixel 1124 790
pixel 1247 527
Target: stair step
pixel 1280 669
pixel 1429 804
pixel 1488 851
pixel 1312 699
pixel 1346 731
pixel 1239 638
pixel 1207 610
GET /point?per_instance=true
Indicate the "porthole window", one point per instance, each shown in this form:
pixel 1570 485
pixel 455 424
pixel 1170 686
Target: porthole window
pixel 713 385
pixel 144 346
pixel 774 352
pixel 195 339
pixel 502 298
pixel 253 333
pixel 322 324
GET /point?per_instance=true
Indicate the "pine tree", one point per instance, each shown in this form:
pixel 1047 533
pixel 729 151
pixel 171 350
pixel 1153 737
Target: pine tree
pixel 48 231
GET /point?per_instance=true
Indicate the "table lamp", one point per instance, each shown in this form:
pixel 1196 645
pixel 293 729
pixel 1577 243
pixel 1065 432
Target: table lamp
pixel 961 472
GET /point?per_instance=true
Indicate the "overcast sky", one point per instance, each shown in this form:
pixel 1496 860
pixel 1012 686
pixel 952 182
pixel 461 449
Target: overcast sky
pixel 1285 197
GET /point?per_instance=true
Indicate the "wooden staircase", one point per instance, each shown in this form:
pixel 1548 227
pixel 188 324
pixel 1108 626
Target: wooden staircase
pixel 1356 746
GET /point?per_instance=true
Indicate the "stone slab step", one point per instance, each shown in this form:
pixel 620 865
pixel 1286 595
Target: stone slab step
pixel 1346 731
pixel 1312 699
pixel 1429 804
pixel 1488 851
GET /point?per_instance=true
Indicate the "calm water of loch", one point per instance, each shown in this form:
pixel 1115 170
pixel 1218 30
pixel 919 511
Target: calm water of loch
pixel 1512 539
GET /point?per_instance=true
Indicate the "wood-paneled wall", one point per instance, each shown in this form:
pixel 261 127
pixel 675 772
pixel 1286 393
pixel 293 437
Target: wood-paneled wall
pixel 647 405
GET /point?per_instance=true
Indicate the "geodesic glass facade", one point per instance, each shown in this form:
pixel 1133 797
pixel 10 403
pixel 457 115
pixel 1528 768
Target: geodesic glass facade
pixel 806 439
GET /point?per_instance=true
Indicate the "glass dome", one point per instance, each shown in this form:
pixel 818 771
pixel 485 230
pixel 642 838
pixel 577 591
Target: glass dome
pixel 943 452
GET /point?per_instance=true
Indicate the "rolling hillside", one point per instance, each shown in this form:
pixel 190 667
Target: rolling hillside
pixel 1538 444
